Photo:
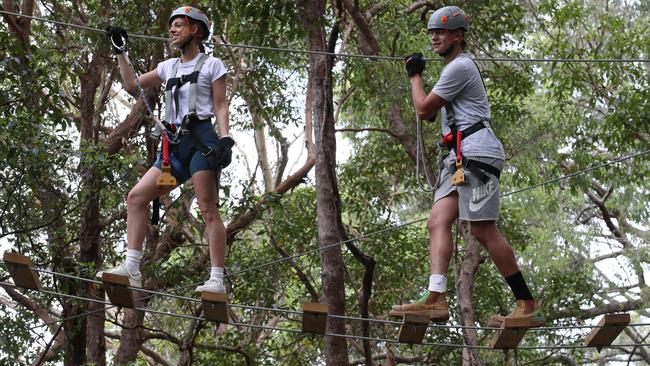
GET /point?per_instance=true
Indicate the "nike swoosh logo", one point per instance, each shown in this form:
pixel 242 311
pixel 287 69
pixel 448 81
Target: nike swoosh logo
pixel 479 205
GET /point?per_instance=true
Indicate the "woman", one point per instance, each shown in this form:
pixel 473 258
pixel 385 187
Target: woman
pixel 469 182
pixel 200 154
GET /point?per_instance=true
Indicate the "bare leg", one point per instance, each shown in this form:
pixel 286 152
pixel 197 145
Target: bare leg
pixel 205 187
pixel 137 204
pixel 441 247
pixel 500 251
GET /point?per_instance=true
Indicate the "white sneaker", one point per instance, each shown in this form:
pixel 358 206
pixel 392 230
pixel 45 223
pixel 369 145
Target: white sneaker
pixel 212 285
pixel 135 279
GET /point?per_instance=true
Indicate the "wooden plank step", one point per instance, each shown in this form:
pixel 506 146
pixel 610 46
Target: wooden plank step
pixel 314 317
pixel 117 291
pixel 413 328
pixel 215 306
pixel 510 334
pixel 19 268
pixel 610 326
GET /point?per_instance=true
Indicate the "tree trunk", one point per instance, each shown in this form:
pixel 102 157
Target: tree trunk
pixel 87 328
pixel 465 285
pixel 75 329
pixel 262 153
pixel 131 338
pixel 327 195
pixel 90 229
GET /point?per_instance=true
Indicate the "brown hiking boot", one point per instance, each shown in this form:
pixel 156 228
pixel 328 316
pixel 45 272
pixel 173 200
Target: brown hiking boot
pixel 518 318
pixel 437 312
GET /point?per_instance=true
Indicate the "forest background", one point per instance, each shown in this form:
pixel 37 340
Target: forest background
pixel 72 144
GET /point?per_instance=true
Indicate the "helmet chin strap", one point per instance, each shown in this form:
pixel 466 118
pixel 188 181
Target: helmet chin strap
pixel 447 51
pixel 185 44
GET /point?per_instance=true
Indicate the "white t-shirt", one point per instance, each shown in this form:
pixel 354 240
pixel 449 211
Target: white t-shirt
pixel 461 85
pixel 211 70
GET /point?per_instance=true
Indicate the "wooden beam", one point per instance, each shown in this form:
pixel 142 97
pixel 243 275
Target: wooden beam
pixel 511 333
pixel 314 317
pixel 19 268
pixel 117 291
pixel 609 327
pixel 215 306
pixel 413 328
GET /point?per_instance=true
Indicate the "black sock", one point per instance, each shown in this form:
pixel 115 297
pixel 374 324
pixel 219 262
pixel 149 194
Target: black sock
pixel 519 287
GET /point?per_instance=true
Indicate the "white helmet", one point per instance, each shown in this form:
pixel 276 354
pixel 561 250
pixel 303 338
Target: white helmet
pixel 193 13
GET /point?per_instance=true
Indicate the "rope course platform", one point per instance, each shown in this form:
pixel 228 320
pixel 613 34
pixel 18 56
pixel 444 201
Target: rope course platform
pixel 314 316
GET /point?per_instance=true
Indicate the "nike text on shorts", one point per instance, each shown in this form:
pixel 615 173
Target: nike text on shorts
pixel 477 200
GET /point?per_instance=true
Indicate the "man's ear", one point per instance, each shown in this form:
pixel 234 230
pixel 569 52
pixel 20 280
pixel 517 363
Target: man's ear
pixel 459 35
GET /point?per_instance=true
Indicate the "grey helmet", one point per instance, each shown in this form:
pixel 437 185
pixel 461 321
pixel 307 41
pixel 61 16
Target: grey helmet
pixel 193 13
pixel 448 17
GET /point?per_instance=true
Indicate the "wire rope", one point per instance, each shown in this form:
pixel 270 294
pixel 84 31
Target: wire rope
pixel 395 227
pixel 295 312
pixel 344 55
pixel 376 339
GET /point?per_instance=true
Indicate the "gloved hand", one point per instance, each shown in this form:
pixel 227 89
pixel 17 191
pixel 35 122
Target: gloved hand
pixel 223 152
pixel 118 37
pixel 414 64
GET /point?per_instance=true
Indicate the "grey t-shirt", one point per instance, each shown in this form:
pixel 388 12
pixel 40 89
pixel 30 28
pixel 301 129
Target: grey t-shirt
pixel 461 85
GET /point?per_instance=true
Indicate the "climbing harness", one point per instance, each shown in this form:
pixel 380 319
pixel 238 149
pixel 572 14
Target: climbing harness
pixel 191 120
pixel 172 89
pixel 453 141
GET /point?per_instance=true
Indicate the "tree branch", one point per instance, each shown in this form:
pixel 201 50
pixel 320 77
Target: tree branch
pixel 303 277
pixel 612 307
pixel 238 349
pixel 384 130
pixel 367 41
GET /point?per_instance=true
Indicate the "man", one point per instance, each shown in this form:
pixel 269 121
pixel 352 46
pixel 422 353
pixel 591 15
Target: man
pixel 469 181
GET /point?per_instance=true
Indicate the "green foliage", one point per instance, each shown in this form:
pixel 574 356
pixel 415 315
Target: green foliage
pixel 553 118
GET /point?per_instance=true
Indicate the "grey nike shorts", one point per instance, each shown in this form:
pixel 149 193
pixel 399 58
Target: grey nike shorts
pixel 477 200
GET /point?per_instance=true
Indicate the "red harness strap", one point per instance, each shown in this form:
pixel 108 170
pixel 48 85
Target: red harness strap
pixel 165 145
pixel 459 137
pixel 447 139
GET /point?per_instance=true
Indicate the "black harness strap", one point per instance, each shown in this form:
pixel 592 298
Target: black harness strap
pixel 177 82
pixel 478 168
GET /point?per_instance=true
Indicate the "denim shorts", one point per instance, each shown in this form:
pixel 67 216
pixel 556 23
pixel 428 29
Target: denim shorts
pixel 185 157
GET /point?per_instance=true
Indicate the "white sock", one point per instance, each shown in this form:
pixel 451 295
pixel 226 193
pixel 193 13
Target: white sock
pixel 438 283
pixel 132 263
pixel 216 273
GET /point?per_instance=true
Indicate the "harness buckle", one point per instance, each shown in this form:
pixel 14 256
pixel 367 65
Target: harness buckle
pixel 188 121
pixel 184 78
pixel 459 176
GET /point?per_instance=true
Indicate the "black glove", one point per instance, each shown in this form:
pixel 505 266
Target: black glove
pixel 118 37
pixel 414 64
pixel 223 152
